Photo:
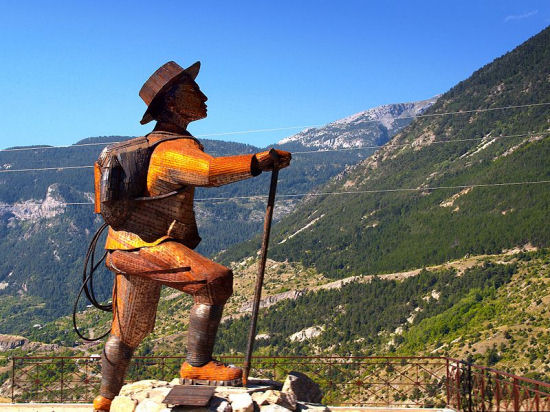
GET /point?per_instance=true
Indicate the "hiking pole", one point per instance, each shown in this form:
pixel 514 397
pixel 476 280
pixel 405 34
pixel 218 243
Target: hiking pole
pixel 261 266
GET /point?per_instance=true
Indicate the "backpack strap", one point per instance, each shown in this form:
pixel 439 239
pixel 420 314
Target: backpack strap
pixel 173 136
pixel 165 137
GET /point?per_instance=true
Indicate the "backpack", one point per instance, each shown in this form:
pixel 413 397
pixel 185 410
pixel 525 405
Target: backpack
pixel 120 177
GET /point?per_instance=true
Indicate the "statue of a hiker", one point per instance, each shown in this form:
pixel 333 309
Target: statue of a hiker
pixel 153 230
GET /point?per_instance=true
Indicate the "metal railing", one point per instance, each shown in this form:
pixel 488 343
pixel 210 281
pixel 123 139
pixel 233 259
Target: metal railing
pixel 479 388
pixel 354 381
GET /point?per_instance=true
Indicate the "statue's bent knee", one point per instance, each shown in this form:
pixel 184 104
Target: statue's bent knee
pixel 218 289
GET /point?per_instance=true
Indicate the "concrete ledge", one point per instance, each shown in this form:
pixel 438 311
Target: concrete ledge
pixel 384 409
pixel 79 407
pixel 46 407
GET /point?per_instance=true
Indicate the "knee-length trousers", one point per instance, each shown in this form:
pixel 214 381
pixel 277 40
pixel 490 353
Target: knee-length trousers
pixel 140 275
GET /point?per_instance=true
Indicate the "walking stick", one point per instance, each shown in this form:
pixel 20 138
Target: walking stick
pixel 261 266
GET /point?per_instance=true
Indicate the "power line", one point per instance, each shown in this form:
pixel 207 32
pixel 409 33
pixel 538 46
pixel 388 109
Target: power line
pixel 44 168
pixel 23 149
pixel 372 191
pixel 294 127
pixel 277 129
pixel 20 149
pixel 421 189
pixel 389 145
pixel 490 109
pixel 417 189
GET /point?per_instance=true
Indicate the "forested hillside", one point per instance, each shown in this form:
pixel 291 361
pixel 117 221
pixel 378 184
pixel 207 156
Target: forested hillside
pixel 492 310
pixel 412 203
pixel 43 240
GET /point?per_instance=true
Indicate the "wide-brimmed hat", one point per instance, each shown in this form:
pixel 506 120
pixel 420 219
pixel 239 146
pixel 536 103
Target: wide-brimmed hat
pixel 160 81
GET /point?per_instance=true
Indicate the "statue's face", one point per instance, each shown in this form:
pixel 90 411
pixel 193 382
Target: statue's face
pixel 183 103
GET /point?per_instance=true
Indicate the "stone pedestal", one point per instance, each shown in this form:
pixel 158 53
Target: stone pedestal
pixel 260 395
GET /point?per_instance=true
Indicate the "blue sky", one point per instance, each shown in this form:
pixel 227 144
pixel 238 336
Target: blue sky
pixel 73 69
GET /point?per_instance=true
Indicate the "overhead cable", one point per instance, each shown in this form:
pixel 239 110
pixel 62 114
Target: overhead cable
pixel 40 169
pixel 295 127
pixel 388 145
pixel 416 189
pixel 351 192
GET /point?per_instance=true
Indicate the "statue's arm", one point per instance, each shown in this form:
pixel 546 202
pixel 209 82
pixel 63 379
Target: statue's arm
pixel 179 164
pixel 230 169
pixel 175 164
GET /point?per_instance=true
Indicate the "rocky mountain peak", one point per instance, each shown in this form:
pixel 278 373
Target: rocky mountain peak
pixel 374 126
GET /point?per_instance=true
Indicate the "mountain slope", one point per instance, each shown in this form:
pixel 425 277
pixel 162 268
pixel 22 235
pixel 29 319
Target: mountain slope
pixel 369 232
pixel 491 310
pixel 43 241
pixel 371 127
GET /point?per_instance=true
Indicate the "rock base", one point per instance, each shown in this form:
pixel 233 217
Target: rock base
pixel 260 395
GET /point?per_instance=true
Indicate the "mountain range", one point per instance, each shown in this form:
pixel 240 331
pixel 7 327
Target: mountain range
pixel 436 243
pixel 43 240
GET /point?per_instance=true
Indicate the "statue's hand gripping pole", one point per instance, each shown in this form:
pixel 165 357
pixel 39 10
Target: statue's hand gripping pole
pixel 261 267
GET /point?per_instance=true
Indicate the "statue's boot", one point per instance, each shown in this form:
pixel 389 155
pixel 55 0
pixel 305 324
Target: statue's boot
pixel 102 404
pixel 199 367
pixel 114 362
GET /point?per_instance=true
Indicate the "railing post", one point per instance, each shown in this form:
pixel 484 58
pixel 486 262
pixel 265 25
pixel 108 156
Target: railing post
pixel 417 375
pixel 483 390
pixel 62 370
pixel 470 387
pixel 537 399
pixel 13 380
pixel 458 386
pixel 86 369
pixel 387 383
pixel 448 382
pixel 516 395
pixel 497 382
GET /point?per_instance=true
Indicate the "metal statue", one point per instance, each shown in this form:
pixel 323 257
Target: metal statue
pixel 144 189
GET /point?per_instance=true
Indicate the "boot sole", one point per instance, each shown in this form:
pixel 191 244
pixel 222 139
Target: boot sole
pixel 207 382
